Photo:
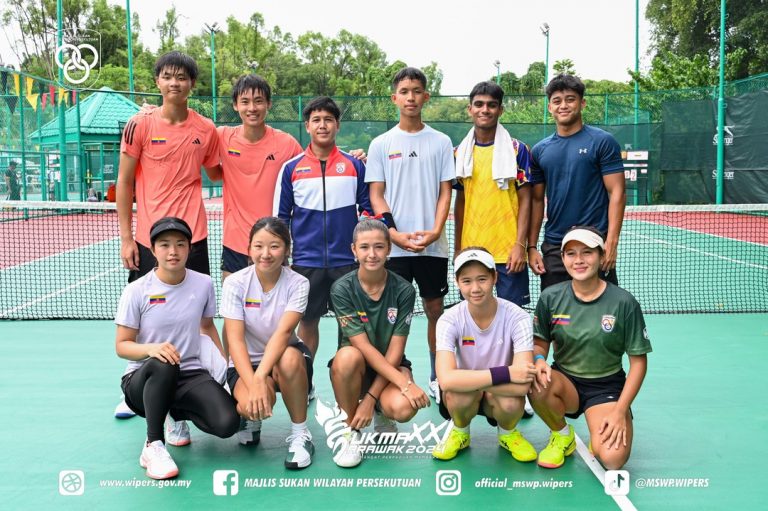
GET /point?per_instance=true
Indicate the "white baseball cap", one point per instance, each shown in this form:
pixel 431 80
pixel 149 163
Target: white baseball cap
pixel 589 238
pixel 481 256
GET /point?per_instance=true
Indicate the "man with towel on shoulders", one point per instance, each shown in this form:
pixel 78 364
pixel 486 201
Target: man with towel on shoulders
pixel 493 198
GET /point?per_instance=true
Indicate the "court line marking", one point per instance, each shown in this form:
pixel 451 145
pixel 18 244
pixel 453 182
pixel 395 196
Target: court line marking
pixel 58 292
pixel 703 252
pixel 63 252
pixel 692 231
pixel 621 500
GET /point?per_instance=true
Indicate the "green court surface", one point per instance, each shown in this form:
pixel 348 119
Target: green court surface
pixel 699 421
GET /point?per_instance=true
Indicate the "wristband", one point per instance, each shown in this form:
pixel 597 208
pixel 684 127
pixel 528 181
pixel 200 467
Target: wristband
pixel 537 357
pixel 387 215
pixel 522 245
pixel 531 247
pixel 500 375
pixel 374 397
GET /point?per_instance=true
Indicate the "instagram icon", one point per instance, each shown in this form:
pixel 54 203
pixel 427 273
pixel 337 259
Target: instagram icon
pixel 448 482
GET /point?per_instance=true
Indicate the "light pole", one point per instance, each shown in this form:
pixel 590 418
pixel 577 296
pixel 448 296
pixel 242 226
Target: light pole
pixel 721 111
pixel 130 45
pixel 498 71
pixel 213 29
pixel 545 32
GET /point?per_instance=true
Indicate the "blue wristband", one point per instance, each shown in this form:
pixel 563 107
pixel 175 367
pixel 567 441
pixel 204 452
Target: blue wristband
pixel 539 357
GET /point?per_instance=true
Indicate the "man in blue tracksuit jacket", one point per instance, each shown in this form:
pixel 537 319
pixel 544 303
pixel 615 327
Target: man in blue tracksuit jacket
pixel 320 194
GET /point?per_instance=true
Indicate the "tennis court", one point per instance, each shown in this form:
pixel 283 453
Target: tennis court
pixel 698 417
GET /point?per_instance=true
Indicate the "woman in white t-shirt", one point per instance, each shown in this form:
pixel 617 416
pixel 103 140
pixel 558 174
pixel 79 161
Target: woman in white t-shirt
pixel 162 320
pixel 484 359
pixel 262 305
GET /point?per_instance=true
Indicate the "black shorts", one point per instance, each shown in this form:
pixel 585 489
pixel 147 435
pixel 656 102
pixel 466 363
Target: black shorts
pixel 320 280
pixel 429 272
pixel 187 381
pixel 447 416
pixel 232 375
pixel 197 261
pixel 556 272
pixel 370 374
pixel 232 261
pixel 595 391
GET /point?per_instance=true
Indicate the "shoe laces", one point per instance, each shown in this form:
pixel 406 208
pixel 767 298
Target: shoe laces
pixel 159 451
pixel 298 439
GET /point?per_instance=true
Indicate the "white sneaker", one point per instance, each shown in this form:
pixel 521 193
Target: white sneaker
pixel 349 455
pixel 383 424
pixel 433 390
pixel 176 432
pixel 528 409
pixel 311 394
pixel 157 461
pixel 300 450
pixel 249 432
pixel 122 411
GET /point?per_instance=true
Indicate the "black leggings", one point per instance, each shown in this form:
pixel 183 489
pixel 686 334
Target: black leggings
pixel 157 388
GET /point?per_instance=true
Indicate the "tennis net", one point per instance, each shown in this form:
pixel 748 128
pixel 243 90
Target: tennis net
pixel 61 259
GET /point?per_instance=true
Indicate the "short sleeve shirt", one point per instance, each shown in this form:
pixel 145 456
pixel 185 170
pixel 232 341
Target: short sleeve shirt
pixel 244 299
pixel 251 171
pixel 510 332
pixel 412 166
pixel 490 214
pixel 168 313
pixel 573 168
pixel 379 319
pixel 168 174
pixel 590 338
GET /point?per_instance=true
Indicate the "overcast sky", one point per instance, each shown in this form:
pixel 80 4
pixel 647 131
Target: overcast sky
pixel 464 37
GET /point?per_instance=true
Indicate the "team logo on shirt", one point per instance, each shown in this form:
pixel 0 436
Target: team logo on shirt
pixel 156 299
pixel 607 322
pixel 340 167
pixel 392 314
pixel 395 155
pixel 344 320
pixel 561 319
pixel 233 152
pixel 408 318
pixel 158 141
pixel 645 334
pixel 363 316
pixel 467 341
pixel 252 303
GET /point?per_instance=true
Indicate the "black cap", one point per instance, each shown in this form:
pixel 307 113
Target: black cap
pixel 12 163
pixel 169 223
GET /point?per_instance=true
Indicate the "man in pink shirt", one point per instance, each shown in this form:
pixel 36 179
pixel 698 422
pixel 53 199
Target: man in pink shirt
pixel 162 152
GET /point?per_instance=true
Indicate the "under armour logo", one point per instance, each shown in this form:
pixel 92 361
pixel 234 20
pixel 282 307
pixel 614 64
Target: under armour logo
pixel 271 157
pixel 413 155
pixel 196 141
pixel 583 151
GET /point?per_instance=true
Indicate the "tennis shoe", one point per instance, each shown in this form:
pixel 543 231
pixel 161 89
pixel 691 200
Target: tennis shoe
pixel 559 446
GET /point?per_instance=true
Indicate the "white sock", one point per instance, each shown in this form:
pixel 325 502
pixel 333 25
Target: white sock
pixel 503 431
pixel 465 429
pixel 565 431
pixel 298 427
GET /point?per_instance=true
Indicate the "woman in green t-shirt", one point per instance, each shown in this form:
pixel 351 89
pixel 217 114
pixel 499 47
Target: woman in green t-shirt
pixel 592 324
pixel 371 377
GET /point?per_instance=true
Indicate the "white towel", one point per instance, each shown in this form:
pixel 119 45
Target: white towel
pixel 504 167
pixel 211 359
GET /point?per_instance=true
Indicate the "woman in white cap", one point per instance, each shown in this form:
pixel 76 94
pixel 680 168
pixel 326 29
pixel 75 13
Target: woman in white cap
pixel 371 377
pixel 262 304
pixel 162 321
pixel 592 324
pixel 484 359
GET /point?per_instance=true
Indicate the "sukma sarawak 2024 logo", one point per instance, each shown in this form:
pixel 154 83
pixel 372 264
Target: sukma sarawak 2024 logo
pixel 420 441
pixel 78 56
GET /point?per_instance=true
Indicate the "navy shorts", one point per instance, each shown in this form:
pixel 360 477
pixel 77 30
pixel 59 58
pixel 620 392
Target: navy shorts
pixel 429 272
pixel 320 281
pixel 595 391
pixel 232 261
pixel 233 376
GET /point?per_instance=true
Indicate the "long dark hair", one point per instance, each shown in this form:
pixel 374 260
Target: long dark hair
pixel 276 227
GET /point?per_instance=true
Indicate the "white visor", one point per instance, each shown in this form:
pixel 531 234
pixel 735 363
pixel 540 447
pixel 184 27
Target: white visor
pixel 589 238
pixel 481 256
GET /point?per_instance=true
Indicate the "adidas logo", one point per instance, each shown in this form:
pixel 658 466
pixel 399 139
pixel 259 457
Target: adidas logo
pixel 271 157
pixel 413 155
pixel 196 141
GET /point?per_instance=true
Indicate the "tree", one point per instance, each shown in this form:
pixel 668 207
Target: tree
pixel 565 67
pixel 168 30
pixel 690 29
pixel 532 82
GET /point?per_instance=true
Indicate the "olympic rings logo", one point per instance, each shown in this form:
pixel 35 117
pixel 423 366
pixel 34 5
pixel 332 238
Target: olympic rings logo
pixel 76 61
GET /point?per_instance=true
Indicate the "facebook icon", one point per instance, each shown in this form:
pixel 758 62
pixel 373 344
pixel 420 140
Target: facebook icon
pixel 226 482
